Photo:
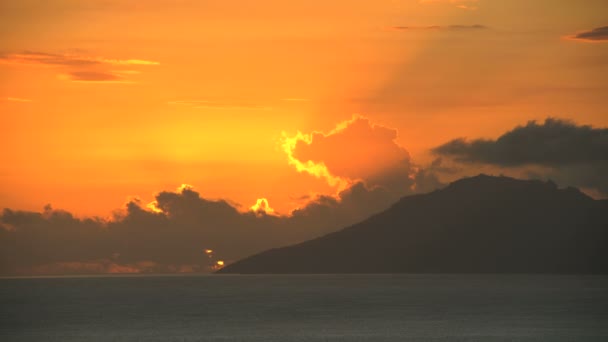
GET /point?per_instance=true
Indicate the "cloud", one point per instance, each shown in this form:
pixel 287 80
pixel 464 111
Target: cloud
pixel 364 162
pixel 295 99
pixel 573 154
pixel 351 205
pixel 93 76
pixel 18 99
pixel 316 169
pixel 462 4
pixel 77 67
pixel 595 35
pixel 46 59
pixel 441 27
pixel 261 207
pixel 136 239
pixel 50 59
pixel 555 142
pixel 175 237
pixel 356 149
pixel 203 104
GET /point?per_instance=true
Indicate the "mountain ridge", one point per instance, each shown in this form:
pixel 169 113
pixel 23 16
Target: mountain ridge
pixel 481 224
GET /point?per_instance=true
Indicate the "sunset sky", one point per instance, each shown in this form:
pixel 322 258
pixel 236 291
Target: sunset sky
pixel 104 101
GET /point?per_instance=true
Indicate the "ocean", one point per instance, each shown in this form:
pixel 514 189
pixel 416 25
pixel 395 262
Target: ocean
pixel 305 308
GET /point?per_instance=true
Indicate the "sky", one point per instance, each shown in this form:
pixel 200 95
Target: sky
pixel 298 113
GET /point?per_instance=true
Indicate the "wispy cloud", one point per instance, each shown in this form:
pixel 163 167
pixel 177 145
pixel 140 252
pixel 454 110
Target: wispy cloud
pixel 295 99
pixel 50 59
pixel 92 76
pixel 440 27
pixel 95 76
pixel 78 68
pixel 219 104
pixel 129 62
pixel 18 99
pixel 462 4
pixel 596 35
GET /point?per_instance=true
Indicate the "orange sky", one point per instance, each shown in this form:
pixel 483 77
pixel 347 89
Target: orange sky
pixel 102 100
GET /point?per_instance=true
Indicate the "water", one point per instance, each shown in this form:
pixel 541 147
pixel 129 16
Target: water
pixel 306 308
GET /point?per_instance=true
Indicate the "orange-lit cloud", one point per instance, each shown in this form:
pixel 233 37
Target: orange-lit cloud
pixel 206 104
pixel 184 187
pixel 153 207
pixel 93 76
pixel 355 149
pixel 295 99
pixel 358 155
pixel 17 99
pixel 50 59
pixel 261 206
pixel 317 169
pixel 440 27
pixel 79 68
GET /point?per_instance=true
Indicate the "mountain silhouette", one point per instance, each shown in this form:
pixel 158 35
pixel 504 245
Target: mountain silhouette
pixel 482 224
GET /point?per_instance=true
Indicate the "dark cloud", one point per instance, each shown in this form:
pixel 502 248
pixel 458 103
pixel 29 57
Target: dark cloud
pixel 569 153
pixel 351 205
pixel 599 34
pixel 588 176
pixel 441 27
pixel 555 142
pixel 173 237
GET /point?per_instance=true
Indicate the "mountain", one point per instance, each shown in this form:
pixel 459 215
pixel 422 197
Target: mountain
pixel 482 224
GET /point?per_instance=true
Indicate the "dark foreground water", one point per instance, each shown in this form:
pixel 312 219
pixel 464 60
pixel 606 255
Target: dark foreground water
pixel 306 308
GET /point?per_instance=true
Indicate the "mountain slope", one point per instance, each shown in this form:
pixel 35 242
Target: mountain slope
pixel 480 224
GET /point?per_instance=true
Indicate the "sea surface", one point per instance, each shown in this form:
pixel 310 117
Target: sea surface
pixel 305 308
